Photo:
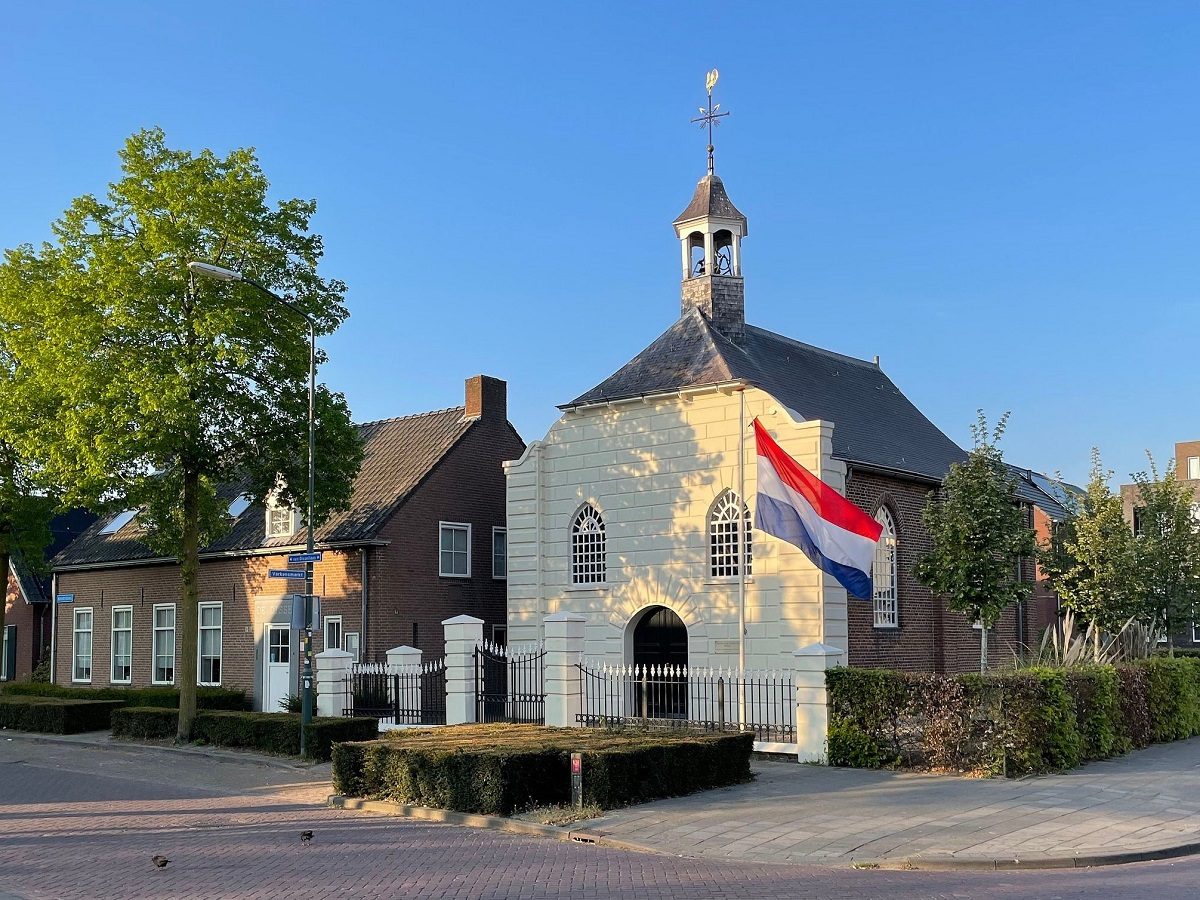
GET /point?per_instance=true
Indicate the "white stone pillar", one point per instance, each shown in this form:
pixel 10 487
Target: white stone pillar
pixel 737 255
pixel 564 650
pixel 812 700
pixel 403 656
pixel 463 634
pixel 687 257
pixel 710 259
pixel 333 681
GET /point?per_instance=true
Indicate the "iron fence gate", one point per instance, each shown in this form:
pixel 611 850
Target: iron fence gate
pixel 683 697
pixel 509 684
pixel 408 695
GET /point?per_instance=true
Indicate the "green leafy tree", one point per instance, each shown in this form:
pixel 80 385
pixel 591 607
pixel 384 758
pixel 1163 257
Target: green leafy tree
pixel 165 388
pixel 1091 562
pixel 1167 550
pixel 979 535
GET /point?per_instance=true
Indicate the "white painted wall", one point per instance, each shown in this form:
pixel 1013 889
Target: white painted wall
pixel 654 468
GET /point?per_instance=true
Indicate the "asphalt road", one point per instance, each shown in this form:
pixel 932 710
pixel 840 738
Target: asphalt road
pixel 78 821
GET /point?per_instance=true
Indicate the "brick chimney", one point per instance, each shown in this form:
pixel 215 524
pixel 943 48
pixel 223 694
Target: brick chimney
pixel 487 398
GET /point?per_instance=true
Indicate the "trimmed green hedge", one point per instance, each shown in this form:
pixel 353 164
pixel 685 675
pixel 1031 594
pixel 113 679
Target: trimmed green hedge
pixel 206 697
pixel 54 715
pixel 1014 722
pixel 268 732
pixel 500 769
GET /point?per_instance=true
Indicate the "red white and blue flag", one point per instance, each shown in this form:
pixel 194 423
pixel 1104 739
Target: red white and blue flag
pixel 797 507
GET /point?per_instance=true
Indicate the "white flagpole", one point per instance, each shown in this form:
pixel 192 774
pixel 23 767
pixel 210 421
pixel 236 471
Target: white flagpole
pixel 743 537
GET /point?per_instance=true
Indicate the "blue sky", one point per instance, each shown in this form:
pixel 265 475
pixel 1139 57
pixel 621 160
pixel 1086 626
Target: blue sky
pixel 1000 199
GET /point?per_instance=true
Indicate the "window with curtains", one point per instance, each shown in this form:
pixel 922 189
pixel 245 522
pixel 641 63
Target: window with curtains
pixel 81 669
pixel 212 622
pixel 164 644
pixel 883 573
pixel 728 525
pixel 122 645
pixel 589 559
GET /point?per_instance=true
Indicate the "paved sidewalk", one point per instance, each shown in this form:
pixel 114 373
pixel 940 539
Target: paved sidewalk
pixel 1147 802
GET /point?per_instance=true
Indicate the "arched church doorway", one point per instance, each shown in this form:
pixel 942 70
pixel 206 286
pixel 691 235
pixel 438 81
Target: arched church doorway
pixel 660 642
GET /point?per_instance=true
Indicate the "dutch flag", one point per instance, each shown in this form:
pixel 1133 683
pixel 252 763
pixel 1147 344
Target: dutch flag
pixel 796 506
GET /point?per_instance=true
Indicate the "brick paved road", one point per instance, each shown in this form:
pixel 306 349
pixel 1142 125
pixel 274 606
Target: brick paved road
pixel 84 822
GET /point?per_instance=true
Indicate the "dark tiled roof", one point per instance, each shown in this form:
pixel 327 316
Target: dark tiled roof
pixel 64 528
pixel 875 424
pixel 398 454
pixel 710 199
pixel 1049 495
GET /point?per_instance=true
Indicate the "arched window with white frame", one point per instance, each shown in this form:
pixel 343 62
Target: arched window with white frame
pixel 728 522
pixel 589 558
pixel 883 573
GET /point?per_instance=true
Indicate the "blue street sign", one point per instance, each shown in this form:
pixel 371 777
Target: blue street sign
pixel 66 598
pixel 287 573
pixel 297 558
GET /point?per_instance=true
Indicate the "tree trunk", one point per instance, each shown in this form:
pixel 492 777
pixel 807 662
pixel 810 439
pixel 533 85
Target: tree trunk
pixel 189 608
pixel 3 611
pixel 1095 642
pixel 983 630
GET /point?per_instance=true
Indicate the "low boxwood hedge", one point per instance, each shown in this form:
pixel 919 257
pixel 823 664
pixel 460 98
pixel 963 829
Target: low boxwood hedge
pixel 500 769
pixel 206 697
pixel 55 715
pixel 267 732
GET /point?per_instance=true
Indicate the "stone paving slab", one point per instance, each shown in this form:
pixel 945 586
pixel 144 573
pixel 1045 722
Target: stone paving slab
pixel 1145 805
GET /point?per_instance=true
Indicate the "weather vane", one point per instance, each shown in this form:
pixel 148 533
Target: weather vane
pixel 709 116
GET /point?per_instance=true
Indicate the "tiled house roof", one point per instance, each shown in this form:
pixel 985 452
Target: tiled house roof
pixel 398 454
pixel 64 528
pixel 875 424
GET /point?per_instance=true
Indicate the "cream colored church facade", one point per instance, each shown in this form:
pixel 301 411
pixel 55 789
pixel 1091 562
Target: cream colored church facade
pixel 657 470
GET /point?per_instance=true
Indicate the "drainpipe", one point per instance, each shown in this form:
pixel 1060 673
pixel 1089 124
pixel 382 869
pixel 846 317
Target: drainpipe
pixel 362 638
pixel 53 626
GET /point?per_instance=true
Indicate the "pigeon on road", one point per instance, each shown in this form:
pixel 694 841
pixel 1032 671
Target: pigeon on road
pixel 160 861
pixel 306 836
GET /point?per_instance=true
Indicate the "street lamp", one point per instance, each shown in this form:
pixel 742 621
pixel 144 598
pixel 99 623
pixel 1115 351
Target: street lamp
pixel 220 273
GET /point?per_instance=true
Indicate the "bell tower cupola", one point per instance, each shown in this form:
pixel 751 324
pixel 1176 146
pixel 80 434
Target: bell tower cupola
pixel 710 233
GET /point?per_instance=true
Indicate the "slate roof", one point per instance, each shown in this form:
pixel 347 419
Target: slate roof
pixel 1046 493
pixel 710 199
pixel 398 454
pixel 875 424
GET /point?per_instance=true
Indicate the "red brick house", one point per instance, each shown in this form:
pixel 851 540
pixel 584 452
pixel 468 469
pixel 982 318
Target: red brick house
pixel 424 539
pixel 27 612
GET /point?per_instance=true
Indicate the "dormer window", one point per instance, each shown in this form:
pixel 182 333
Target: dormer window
pixel 281 520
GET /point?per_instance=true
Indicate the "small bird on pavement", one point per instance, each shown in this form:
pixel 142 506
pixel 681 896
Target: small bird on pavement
pixel 306 836
pixel 160 861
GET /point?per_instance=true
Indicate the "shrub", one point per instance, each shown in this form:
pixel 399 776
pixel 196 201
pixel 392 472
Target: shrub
pixel 1173 697
pixel 865 710
pixel 850 745
pixel 497 770
pixel 1096 696
pixel 53 715
pixel 1133 685
pixel 267 732
pixel 206 697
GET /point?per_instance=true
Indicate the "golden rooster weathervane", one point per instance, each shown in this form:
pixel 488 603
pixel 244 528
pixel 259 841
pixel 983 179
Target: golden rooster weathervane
pixel 709 116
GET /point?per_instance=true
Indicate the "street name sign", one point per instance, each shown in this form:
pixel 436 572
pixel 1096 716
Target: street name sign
pixel 287 573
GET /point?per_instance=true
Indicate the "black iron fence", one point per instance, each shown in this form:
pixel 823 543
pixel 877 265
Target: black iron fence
pixel 689 698
pixel 510 684
pixel 399 695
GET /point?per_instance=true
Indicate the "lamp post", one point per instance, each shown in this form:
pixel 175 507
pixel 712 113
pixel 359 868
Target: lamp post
pixel 219 273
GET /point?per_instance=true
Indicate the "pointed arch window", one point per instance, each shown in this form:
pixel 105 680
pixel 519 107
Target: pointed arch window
pixel 588 554
pixel 728 522
pixel 883 573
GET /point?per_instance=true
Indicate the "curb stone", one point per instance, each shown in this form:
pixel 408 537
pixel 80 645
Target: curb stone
pixel 224 755
pixel 926 863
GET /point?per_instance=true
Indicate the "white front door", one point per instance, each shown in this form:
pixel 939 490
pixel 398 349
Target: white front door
pixel 277 680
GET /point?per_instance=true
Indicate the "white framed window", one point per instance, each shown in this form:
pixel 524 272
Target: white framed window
pixel 499 552
pixel 589 558
pixel 1195 632
pixel 728 525
pixel 81 644
pixel 281 521
pixel 883 573
pixel 211 637
pixel 164 644
pixel 500 635
pixel 8 653
pixel 332 629
pixel 121 646
pixel 454 550
pixel 353 646
pixel 1194 468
